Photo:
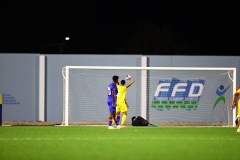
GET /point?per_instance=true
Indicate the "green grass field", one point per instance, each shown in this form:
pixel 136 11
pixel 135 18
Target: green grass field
pixel 99 143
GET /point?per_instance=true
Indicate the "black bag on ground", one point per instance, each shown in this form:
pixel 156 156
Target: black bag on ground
pixel 139 121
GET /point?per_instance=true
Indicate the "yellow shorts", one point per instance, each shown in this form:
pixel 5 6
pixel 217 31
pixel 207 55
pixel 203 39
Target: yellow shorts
pixel 121 107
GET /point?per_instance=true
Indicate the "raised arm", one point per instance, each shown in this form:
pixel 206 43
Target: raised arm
pixel 129 84
pixel 234 101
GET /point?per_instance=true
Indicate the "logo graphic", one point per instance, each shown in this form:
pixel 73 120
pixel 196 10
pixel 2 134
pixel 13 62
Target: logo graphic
pixel 220 92
pixel 175 93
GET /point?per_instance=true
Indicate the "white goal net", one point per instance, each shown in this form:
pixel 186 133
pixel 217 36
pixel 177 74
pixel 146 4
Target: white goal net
pixel 164 95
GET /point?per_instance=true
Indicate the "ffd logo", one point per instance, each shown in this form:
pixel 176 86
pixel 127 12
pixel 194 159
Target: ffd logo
pixel 177 93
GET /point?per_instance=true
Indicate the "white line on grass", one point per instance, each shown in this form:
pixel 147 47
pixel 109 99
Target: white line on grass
pixel 135 138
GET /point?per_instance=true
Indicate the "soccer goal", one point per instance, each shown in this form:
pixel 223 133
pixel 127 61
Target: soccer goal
pixel 164 95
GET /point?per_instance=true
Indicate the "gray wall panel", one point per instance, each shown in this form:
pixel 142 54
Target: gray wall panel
pixel 19 80
pixel 19 77
pixel 55 80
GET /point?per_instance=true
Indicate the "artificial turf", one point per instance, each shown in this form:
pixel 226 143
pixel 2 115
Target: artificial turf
pixel 129 143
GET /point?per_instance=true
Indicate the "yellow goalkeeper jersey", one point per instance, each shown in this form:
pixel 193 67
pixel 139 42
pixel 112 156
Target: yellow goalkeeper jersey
pixel 121 93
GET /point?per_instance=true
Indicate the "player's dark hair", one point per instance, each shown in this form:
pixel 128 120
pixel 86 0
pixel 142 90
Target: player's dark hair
pixel 115 78
pixel 123 82
pixel 133 118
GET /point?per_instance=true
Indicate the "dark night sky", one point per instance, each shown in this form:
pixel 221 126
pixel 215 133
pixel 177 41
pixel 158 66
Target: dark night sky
pixel 125 27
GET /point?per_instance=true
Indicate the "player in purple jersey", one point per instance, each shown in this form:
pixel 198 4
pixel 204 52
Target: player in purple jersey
pixel 111 101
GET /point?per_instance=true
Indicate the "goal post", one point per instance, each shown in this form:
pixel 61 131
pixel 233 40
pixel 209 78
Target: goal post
pixel 167 95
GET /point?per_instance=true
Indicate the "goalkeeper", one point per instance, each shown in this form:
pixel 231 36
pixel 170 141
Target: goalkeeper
pixel 122 105
pixel 140 121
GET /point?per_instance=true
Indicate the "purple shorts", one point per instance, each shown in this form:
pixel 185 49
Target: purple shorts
pixel 111 109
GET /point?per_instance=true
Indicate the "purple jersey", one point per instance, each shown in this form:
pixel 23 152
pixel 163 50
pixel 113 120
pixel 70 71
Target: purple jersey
pixel 112 87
